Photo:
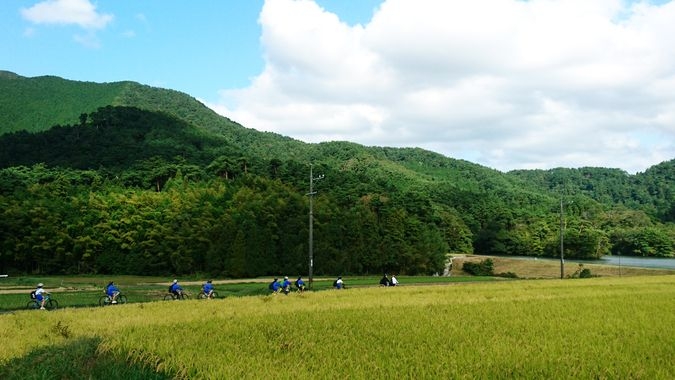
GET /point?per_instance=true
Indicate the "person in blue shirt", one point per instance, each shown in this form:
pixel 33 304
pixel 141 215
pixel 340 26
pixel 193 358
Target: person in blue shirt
pixel 175 289
pixel 207 288
pixel 300 284
pixel 112 292
pixel 286 285
pixel 275 286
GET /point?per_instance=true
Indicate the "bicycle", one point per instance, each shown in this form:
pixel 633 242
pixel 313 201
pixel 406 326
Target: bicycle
pixel 50 304
pixel 107 300
pixel 203 296
pixel 179 296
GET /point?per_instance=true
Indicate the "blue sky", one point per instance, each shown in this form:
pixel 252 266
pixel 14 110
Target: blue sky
pixel 198 49
pixel 508 84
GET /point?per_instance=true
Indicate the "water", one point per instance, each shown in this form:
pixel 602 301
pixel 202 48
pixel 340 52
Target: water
pixel 640 262
pixel 626 261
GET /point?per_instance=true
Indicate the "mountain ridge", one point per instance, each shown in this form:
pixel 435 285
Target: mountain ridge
pixel 105 158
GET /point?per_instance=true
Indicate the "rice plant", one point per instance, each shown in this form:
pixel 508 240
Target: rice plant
pixel 591 328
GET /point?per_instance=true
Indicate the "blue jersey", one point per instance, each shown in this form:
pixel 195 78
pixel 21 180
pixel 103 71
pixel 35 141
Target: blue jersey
pixel 299 283
pixel 111 289
pixel 275 286
pixel 175 288
pixel 286 284
pixel 208 287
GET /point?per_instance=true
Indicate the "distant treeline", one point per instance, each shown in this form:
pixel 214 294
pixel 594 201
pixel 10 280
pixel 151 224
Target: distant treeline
pixel 138 192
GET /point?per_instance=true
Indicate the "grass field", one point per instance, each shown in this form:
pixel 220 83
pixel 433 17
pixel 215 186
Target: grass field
pixel 541 269
pixel 607 327
pixel 81 291
pixel 84 291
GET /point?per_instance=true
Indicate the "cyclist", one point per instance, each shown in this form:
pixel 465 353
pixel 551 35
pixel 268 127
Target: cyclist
pixel 275 286
pixel 112 292
pixel 207 288
pixel 338 284
pixel 41 295
pixel 286 285
pixel 175 289
pixel 394 281
pixel 300 284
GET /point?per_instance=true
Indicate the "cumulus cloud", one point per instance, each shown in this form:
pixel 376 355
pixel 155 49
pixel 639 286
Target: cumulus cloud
pixel 505 83
pixel 67 12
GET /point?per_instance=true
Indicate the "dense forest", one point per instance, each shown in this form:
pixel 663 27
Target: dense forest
pixel 126 178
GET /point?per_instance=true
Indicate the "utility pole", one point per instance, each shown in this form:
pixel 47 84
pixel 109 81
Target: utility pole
pixel 562 234
pixel 311 223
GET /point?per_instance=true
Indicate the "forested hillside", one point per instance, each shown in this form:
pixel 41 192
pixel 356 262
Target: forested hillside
pixel 37 104
pixel 126 178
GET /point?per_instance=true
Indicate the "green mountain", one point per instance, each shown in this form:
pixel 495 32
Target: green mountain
pixel 126 178
pixel 39 103
pixel 35 105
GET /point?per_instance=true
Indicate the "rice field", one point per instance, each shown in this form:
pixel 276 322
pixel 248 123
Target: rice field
pixel 601 328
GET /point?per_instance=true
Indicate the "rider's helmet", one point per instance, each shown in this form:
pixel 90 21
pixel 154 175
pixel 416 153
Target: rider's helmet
pixel 40 285
pixel 286 278
pixel 175 281
pixel 209 281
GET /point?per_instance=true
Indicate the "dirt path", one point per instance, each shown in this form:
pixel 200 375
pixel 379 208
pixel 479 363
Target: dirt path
pixel 54 290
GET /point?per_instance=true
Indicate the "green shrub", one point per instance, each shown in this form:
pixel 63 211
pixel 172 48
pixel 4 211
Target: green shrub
pixel 507 275
pixel 483 268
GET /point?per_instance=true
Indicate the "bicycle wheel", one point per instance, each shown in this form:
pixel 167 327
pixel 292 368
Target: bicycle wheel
pixel 214 295
pixel 121 299
pixel 52 304
pixel 33 305
pixel 104 301
pixel 169 297
pixel 184 296
pixel 201 296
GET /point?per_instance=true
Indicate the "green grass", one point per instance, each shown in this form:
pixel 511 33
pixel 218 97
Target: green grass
pixel 84 291
pixel 591 328
pixel 77 359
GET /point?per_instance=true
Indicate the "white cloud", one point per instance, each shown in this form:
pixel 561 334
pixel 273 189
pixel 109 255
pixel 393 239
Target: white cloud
pixel 505 83
pixel 67 12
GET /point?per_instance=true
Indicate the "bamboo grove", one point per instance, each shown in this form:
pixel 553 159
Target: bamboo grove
pixel 76 223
